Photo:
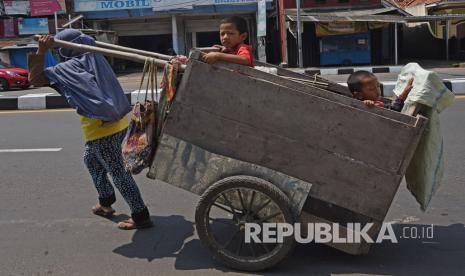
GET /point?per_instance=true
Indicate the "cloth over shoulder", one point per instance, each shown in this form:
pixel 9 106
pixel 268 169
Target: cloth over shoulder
pixel 426 169
pixel 88 81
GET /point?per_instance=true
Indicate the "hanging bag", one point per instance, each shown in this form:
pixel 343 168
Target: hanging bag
pixel 139 143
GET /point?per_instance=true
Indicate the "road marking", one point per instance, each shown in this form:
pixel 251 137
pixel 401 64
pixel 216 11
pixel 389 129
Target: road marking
pixel 37 95
pixel 37 111
pixel 31 150
pixel 460 97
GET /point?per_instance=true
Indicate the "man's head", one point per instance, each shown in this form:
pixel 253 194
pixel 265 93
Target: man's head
pixel 364 86
pixel 233 31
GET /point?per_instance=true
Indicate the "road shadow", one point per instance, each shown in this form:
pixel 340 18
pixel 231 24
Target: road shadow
pixel 171 237
pixel 163 240
pixel 444 254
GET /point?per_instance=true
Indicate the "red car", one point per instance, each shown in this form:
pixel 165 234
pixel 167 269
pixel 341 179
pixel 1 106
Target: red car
pixel 12 77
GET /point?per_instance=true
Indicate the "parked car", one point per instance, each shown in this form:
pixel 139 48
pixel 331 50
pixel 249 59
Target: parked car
pixel 12 77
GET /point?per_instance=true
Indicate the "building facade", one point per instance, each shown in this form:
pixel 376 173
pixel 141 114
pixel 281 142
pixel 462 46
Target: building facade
pixel 165 26
pixel 20 19
pixel 332 37
pixel 435 33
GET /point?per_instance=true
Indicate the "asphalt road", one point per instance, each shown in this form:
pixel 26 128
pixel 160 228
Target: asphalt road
pixel 46 227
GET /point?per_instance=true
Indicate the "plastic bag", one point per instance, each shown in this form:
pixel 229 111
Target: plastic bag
pixel 139 144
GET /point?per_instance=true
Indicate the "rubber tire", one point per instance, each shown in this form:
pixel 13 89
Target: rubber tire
pixel 25 87
pixel 5 85
pixel 257 184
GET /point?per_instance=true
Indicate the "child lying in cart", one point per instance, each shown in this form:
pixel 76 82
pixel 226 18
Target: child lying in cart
pixel 365 87
pixel 233 33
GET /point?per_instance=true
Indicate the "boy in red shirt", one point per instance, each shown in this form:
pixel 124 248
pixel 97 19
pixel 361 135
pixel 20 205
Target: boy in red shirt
pixel 233 33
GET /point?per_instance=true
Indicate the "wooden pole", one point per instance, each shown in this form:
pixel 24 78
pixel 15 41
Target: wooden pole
pixel 446 36
pixel 132 50
pixel 106 52
pixel 299 36
pixel 396 44
pixel 69 23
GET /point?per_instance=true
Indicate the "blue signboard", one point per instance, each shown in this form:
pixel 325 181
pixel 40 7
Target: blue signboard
pixel 156 5
pixel 109 5
pixel 28 26
pixel 345 49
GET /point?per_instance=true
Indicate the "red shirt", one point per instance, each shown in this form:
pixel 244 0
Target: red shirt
pixel 245 50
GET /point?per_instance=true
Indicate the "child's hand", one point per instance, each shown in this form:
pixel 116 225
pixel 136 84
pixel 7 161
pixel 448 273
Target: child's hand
pixel 369 103
pixel 409 86
pixel 407 90
pixel 45 42
pixel 211 57
pixel 220 47
pixel 223 49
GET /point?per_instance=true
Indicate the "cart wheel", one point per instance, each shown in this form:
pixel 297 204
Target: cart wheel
pixel 224 209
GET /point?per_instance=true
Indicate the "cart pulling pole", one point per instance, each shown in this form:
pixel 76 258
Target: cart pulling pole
pixel 132 50
pixel 106 52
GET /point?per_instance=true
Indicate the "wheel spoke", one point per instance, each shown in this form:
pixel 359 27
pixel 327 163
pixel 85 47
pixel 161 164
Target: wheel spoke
pixel 229 203
pixel 241 242
pixel 227 222
pixel 268 217
pixel 265 247
pixel 231 239
pixel 252 250
pixel 241 198
pixel 250 203
pixel 224 209
pixel 261 207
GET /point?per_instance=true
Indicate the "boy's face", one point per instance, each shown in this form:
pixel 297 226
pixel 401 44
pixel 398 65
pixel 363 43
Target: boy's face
pixel 370 89
pixel 230 36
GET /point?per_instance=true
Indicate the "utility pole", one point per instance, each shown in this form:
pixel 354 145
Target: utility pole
pixel 299 36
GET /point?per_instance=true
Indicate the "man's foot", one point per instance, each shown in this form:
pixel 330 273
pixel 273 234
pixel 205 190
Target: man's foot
pixel 102 211
pixel 129 224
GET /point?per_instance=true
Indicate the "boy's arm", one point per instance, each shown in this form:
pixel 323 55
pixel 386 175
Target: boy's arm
pixel 215 57
pixel 35 62
pixel 407 90
pixel 398 103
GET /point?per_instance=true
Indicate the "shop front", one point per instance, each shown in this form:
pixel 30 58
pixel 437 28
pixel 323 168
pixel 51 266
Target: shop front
pixel 167 26
pixel 342 40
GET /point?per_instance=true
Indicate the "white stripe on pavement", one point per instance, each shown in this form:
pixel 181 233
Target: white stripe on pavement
pixel 31 150
pixel 395 69
pixel 33 101
pixel 458 85
pixel 142 96
pixel 329 71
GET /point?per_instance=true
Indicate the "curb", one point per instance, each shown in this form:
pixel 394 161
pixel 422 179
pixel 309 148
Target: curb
pixel 345 71
pixel 48 101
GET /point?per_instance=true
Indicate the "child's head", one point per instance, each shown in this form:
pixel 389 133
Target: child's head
pixel 364 85
pixel 233 31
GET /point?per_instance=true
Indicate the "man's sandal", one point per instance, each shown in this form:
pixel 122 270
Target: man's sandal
pixel 99 211
pixel 129 224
